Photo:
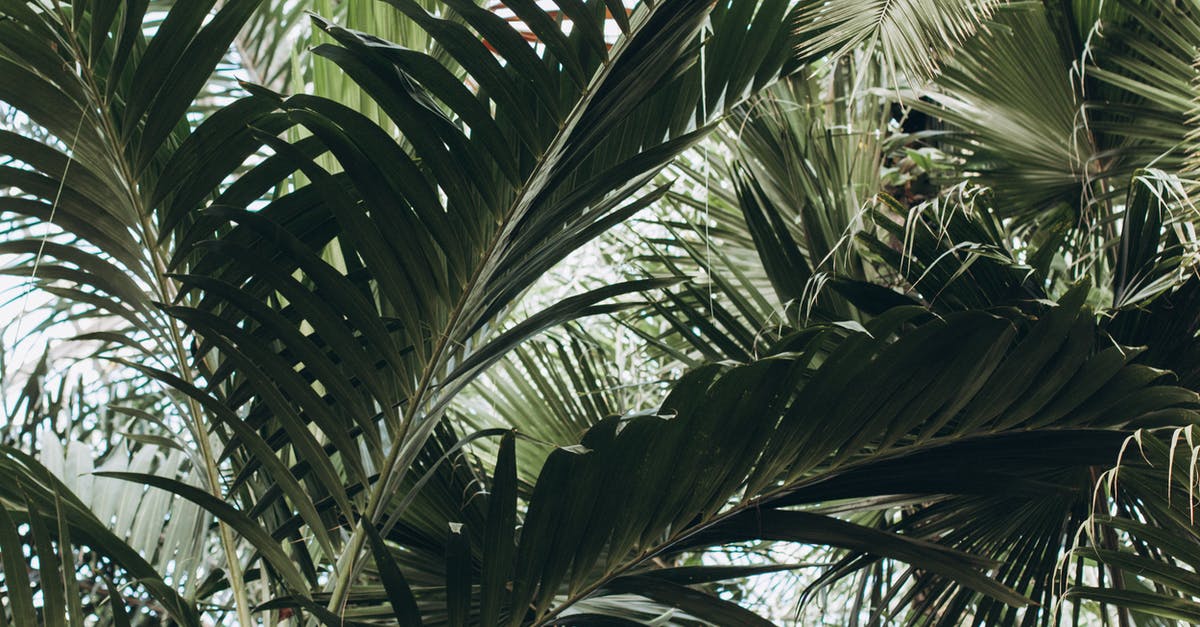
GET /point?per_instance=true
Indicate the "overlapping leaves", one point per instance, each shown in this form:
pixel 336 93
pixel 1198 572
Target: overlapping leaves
pixel 61 524
pixel 759 451
pixel 361 300
pixel 1148 542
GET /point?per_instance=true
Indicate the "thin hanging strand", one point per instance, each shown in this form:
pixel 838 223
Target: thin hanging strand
pixel 707 239
pixel 37 259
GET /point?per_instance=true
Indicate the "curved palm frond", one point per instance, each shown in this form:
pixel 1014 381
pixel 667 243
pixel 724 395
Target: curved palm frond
pixel 302 298
pixel 913 36
pixel 1141 81
pixel 774 449
pixel 1152 573
pixel 764 227
pixel 114 104
pixel 169 533
pixel 553 389
pixel 61 526
pixel 1011 103
pixel 377 290
pixel 1058 107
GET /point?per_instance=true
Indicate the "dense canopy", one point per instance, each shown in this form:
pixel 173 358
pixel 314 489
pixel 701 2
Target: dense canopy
pixel 599 312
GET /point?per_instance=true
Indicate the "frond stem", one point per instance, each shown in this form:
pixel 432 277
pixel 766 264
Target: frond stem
pixel 167 292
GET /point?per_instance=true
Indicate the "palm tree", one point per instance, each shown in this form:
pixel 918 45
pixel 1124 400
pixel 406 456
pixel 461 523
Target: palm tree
pixel 315 310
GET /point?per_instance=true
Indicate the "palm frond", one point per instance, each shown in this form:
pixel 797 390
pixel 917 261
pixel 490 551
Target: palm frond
pixel 1009 100
pixel 913 36
pixel 1148 542
pixel 735 450
pixel 1141 78
pixel 60 523
pixel 113 104
pixel 400 275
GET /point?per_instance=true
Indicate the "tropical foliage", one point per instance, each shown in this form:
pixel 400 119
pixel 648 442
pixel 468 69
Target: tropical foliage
pixel 593 312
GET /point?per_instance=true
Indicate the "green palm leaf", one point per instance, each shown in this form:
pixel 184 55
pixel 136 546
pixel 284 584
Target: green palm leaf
pixel 33 496
pixel 914 36
pixel 734 450
pixel 1152 574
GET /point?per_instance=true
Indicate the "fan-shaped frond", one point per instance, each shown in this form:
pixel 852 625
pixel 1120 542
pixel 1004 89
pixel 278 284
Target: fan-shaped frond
pixel 912 36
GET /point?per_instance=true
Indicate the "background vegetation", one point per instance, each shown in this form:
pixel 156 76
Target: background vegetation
pixel 585 312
